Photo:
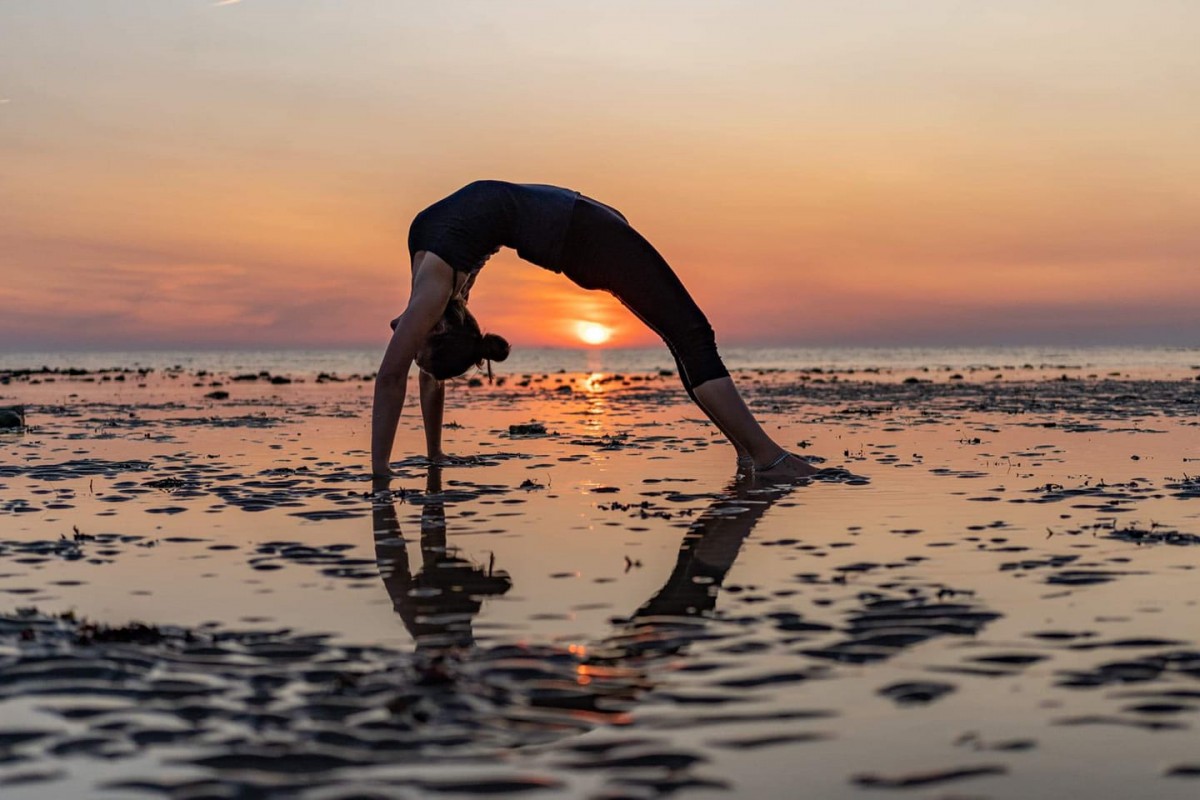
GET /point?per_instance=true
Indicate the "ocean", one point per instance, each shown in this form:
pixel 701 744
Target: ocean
pixel 1173 360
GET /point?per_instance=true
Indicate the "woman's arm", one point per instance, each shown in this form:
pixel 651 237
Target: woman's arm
pixel 433 395
pixel 433 403
pixel 433 281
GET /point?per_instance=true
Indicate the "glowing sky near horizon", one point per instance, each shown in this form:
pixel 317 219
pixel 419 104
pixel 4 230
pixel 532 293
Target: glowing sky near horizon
pixel 939 172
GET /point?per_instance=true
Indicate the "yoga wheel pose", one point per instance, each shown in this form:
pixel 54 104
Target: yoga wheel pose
pixel 593 245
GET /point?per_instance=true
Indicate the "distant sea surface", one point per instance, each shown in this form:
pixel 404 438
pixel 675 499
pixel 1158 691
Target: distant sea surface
pixel 535 360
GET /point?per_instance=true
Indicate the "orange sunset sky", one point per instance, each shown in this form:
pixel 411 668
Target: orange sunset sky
pixel 242 174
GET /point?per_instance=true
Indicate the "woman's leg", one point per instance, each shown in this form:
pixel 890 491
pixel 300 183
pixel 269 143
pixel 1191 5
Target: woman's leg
pixel 603 251
pixel 743 455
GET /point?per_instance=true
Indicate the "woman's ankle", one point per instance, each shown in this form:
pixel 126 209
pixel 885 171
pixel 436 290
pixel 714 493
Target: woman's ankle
pixel 767 455
pixel 775 462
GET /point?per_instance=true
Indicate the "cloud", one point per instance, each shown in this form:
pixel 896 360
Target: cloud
pixel 97 294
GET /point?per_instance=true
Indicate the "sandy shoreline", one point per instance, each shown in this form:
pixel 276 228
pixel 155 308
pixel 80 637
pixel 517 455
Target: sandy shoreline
pixel 995 579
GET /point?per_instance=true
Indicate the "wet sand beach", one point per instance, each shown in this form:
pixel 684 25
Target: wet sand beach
pixel 989 591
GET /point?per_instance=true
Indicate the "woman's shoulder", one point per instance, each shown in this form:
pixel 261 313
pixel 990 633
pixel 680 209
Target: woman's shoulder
pixel 486 185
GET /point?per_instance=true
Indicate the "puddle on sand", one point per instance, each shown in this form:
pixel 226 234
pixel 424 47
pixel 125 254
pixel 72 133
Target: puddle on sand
pixel 991 583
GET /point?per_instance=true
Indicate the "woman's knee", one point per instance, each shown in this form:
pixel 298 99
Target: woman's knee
pixel 696 348
pixel 696 336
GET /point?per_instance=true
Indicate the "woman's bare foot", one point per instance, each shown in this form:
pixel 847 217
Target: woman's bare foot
pixel 789 467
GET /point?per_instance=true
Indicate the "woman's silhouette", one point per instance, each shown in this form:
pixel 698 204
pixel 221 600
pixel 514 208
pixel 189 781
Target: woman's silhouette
pixel 593 245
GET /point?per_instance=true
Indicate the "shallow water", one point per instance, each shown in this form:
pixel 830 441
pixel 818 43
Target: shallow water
pixel 990 592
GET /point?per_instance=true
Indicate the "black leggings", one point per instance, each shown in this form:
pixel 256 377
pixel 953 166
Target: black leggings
pixel 603 251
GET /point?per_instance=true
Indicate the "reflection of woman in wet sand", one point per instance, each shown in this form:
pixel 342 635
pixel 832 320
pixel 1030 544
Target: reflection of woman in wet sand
pixel 439 602
pixel 542 692
pixel 593 245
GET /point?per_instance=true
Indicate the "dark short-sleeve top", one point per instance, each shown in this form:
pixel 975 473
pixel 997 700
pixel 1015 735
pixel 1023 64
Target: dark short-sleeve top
pixel 468 227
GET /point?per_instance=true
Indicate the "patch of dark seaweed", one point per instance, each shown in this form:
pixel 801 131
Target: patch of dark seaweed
pixel 1052 562
pixel 332 560
pixel 838 475
pixel 527 429
pixel 915 780
pixel 1169 664
pixel 76 468
pixel 1112 494
pixel 166 484
pixel 96 548
pixel 490 460
pixel 776 740
pixel 1187 487
pixel 1125 644
pixel 667 761
pixel 327 514
pixel 1153 535
pixel 646 510
pixel 887 623
pixel 253 421
pixel 12 418
pixel 1086 577
pixel 916 692
pixel 489 786
pixel 1127 722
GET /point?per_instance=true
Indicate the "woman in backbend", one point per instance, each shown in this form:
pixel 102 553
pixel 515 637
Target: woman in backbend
pixel 593 245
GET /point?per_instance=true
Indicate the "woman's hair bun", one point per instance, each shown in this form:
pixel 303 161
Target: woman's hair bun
pixel 493 347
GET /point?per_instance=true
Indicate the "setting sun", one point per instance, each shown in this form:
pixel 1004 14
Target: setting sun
pixel 593 332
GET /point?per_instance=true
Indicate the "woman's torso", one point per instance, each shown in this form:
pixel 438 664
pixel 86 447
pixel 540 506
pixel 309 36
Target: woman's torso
pixel 470 225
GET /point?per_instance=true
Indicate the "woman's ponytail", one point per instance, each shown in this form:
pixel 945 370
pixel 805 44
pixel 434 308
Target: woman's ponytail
pixel 493 347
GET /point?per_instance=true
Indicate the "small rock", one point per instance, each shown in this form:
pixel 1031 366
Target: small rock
pixel 12 417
